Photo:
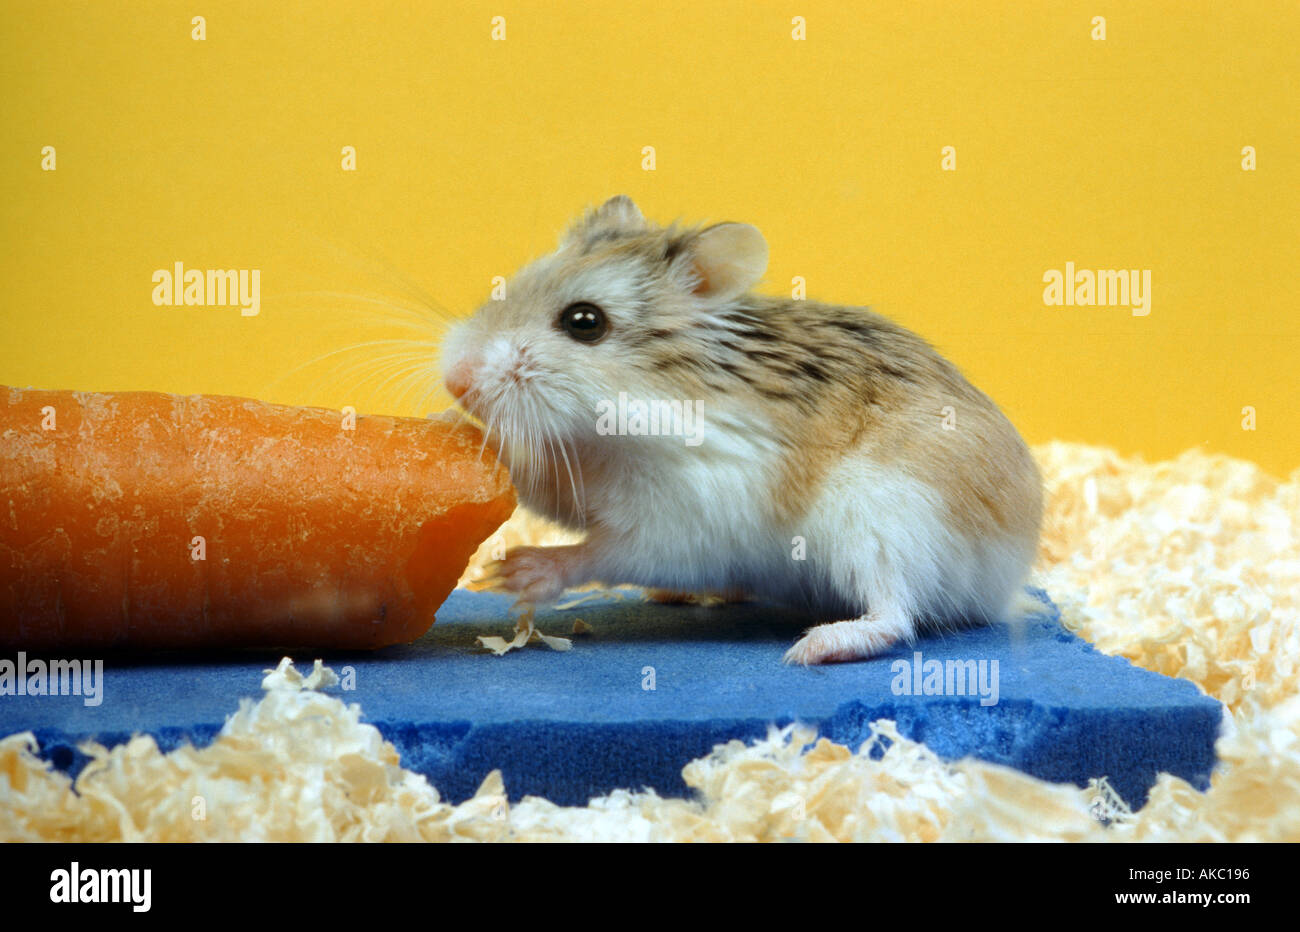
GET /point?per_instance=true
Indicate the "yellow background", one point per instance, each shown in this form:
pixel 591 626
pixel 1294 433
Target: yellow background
pixel 473 154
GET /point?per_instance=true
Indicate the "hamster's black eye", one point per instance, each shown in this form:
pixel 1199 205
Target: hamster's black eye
pixel 584 322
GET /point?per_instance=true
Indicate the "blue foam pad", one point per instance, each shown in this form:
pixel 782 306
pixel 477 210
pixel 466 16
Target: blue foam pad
pixel 571 725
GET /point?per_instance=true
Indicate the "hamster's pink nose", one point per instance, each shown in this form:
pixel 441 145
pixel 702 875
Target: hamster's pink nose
pixel 458 380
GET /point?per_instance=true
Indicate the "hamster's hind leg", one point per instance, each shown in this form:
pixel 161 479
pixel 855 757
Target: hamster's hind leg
pixel 856 639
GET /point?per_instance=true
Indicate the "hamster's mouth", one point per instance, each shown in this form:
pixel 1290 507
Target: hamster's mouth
pixel 470 400
pixel 468 408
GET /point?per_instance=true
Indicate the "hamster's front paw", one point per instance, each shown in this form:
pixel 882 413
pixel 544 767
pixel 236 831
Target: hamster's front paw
pixel 535 574
pixel 841 641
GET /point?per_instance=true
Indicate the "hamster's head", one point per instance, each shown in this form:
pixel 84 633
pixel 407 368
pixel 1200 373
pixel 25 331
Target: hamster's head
pixel 596 317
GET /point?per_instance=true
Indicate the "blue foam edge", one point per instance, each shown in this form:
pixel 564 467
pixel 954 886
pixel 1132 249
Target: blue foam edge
pixel 572 725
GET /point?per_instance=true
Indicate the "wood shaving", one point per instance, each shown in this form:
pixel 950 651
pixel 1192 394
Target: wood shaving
pixel 1190 567
pixel 524 633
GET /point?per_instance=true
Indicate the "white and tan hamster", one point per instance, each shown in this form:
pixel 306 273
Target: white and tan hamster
pixel 832 459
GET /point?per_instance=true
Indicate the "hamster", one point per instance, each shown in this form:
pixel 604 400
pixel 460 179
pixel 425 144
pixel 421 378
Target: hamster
pixel 840 465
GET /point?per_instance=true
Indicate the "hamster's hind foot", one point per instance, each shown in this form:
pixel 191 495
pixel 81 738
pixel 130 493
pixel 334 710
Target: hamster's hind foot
pixel 706 599
pixel 843 641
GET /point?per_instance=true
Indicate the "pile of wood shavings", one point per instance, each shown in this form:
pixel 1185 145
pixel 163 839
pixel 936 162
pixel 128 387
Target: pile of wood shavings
pixel 1190 567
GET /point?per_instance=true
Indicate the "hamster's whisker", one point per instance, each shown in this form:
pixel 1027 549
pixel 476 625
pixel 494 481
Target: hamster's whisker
pixel 386 271
pixel 487 432
pixel 403 376
pixel 351 348
pixel 532 457
pixel 417 374
pixel 511 438
pixel 540 452
pixel 581 517
pixel 577 507
pixel 552 461
pixel 411 369
pixel 335 389
pixel 434 384
pixel 414 315
pixel 381 364
pixel 476 401
pixel 391 366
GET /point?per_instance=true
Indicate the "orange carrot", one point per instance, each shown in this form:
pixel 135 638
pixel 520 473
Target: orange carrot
pixel 147 520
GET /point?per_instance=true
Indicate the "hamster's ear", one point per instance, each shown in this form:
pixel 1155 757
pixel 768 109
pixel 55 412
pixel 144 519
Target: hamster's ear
pixel 617 215
pixel 728 259
pixel 619 210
